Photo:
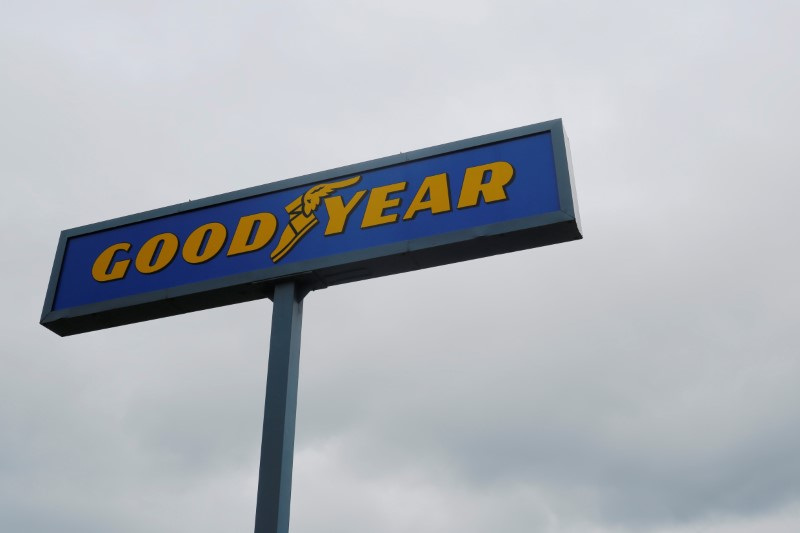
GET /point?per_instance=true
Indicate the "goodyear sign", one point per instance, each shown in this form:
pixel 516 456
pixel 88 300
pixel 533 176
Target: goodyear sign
pixel 492 194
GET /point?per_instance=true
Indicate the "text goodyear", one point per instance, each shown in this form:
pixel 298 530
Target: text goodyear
pixel 253 232
pixel 493 194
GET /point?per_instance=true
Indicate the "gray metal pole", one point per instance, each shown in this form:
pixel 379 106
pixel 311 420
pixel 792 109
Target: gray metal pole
pixel 280 407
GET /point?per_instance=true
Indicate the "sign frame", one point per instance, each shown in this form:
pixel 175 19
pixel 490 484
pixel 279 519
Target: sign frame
pixel 479 241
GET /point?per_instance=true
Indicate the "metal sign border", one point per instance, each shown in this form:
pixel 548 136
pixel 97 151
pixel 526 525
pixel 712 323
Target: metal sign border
pixel 403 256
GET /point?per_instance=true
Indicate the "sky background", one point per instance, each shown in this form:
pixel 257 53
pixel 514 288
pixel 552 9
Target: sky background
pixel 644 379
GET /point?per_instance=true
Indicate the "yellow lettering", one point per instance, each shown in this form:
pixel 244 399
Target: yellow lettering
pixel 493 189
pixel 104 269
pixel 437 192
pixel 245 240
pixel 157 253
pixel 379 202
pixel 212 234
pixel 338 212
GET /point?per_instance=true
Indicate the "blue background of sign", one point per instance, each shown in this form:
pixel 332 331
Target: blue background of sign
pixel 533 191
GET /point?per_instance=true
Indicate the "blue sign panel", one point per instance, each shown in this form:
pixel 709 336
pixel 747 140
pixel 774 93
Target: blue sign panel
pixel 493 194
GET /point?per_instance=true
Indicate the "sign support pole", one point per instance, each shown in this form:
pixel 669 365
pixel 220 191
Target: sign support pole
pixel 280 408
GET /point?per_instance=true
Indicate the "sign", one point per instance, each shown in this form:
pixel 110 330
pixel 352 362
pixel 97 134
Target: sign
pixel 487 195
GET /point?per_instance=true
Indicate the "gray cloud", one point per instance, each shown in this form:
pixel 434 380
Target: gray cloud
pixel 643 379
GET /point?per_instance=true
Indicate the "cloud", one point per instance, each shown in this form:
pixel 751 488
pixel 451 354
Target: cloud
pixel 643 379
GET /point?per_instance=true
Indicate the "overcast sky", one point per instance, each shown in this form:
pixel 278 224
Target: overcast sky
pixel 644 379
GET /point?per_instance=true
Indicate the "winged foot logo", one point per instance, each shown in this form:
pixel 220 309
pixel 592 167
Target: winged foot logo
pixel 302 217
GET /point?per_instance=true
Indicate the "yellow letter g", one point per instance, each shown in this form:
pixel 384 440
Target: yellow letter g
pixel 104 269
